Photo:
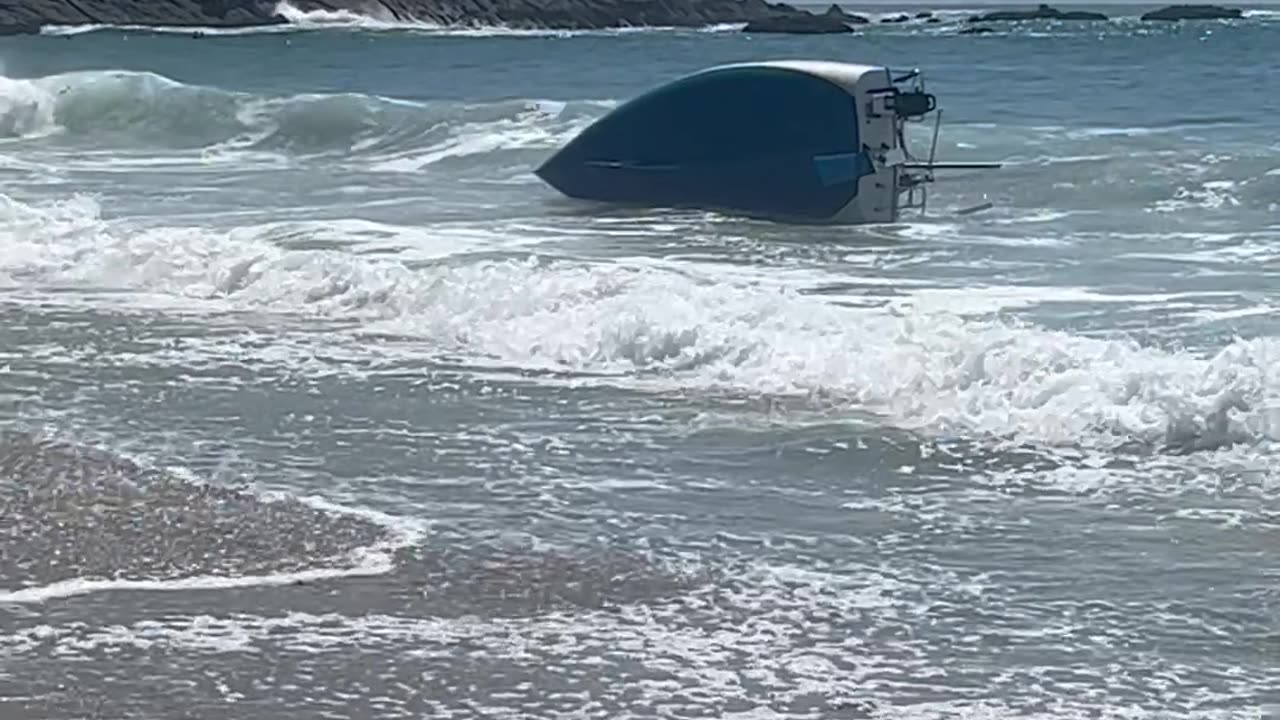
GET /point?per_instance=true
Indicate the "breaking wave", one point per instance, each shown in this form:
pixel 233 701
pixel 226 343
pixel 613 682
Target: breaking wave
pixel 650 325
pixel 97 118
pixel 142 109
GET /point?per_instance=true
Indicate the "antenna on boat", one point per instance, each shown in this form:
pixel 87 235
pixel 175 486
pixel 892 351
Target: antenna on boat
pixel 933 152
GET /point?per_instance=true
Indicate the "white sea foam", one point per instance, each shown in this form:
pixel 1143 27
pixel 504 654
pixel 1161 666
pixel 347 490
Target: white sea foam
pixel 925 357
pixel 657 326
pixel 780 639
pixel 366 561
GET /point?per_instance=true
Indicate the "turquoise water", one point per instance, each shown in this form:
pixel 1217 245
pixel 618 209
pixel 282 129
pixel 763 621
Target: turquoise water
pixel 1014 464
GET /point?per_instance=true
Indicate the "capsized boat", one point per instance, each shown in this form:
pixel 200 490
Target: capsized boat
pixel 792 140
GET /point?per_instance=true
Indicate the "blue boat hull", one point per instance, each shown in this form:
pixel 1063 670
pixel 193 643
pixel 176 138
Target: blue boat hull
pixel 757 140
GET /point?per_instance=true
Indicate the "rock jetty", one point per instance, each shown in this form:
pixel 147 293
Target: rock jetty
pixel 28 16
pixel 834 20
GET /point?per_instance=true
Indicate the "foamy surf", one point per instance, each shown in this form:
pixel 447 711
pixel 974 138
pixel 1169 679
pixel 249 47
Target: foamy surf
pixel 780 640
pixel 379 20
pixel 367 562
pixel 930 366
pixel 656 461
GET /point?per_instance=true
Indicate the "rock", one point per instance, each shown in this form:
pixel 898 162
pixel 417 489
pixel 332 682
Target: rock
pixel 924 14
pixel 895 19
pixel 29 28
pixel 799 25
pixel 1043 12
pixel 556 14
pixel 1081 15
pixel 976 30
pixel 932 21
pixel 180 13
pixel 838 12
pixel 1193 12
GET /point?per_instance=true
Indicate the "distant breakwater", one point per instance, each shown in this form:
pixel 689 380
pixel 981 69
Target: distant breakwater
pixel 31 16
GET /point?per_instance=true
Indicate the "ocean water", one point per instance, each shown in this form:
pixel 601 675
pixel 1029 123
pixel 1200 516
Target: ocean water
pixel 314 403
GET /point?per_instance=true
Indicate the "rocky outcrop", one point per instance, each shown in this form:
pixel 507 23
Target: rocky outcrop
pixel 760 16
pixel 799 25
pixel 838 12
pixel 1194 12
pixel 184 13
pixel 1043 12
pixel 20 29
pixel 29 15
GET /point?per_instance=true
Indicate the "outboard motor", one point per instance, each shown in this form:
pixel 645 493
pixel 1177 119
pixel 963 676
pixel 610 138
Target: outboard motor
pixel 913 176
pixel 913 104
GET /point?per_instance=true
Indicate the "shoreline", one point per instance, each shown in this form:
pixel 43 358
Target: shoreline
pixel 757 16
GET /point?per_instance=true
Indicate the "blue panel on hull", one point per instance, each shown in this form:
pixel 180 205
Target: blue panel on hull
pixel 842 168
pixel 757 139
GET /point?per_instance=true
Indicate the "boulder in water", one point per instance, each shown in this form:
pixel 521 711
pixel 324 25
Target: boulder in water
pixel 836 11
pixel 799 25
pixel 1042 12
pixel 1193 12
